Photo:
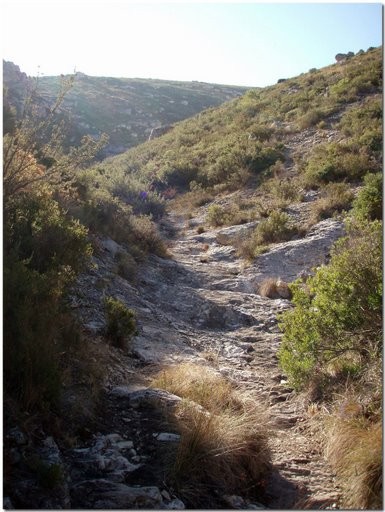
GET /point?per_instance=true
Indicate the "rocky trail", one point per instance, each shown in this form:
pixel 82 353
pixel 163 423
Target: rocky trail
pixel 199 306
pixel 202 306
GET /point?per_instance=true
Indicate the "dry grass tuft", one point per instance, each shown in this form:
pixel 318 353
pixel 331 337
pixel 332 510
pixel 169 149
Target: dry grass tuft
pixel 335 198
pixel 355 451
pixel 199 384
pixel 274 288
pixel 223 451
pixel 224 443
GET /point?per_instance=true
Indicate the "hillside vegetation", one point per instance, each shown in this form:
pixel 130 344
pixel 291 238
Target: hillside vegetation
pixel 225 147
pixel 281 160
pixel 332 338
pixel 126 109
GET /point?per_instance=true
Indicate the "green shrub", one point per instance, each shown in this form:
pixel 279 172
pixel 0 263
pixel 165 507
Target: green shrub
pixel 368 204
pixel 276 228
pixel 121 322
pixel 337 162
pixel 126 266
pixel 180 175
pixel 143 234
pixel 216 215
pixel 43 251
pixel 111 216
pixel 339 309
pixel 311 118
pixel 39 231
pixel 364 124
pixel 335 198
pixel 105 214
pixel 282 190
pixel 136 194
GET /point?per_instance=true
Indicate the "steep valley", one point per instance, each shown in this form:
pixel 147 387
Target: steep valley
pixel 200 306
pixel 113 441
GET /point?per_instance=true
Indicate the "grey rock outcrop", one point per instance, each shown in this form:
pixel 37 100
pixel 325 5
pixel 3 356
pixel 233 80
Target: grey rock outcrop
pixel 104 494
pixel 159 130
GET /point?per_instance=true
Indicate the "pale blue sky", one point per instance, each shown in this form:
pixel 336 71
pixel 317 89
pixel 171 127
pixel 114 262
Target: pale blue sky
pixel 250 44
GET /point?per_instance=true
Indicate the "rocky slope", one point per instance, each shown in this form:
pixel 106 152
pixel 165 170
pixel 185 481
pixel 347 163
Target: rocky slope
pixel 202 306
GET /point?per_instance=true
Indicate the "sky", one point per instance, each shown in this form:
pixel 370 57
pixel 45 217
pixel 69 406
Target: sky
pixel 252 44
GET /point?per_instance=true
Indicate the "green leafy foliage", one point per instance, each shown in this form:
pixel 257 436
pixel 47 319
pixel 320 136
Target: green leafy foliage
pixel 238 142
pixel 338 312
pixel 218 215
pixel 43 251
pixel 368 204
pixel 275 228
pixel 40 233
pixel 121 323
pixel 337 162
pixel 364 124
pixel 122 208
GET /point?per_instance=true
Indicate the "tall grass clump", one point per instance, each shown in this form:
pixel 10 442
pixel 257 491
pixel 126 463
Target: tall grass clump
pixel 224 436
pixel 199 384
pixel 225 452
pixel 355 450
pixel 335 198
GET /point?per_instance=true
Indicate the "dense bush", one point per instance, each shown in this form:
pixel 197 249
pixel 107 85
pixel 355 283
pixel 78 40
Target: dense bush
pixel 43 250
pixel 368 204
pixel 276 228
pixel 364 124
pixel 127 267
pixel 282 191
pixel 113 215
pixel 273 229
pixel 216 215
pixel 337 162
pixel 311 118
pixel 337 315
pixel 121 322
pixel 42 236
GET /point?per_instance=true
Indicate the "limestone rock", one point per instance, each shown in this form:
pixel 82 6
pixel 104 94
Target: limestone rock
pixel 111 246
pixel 226 236
pixel 175 504
pixel 104 494
pixel 167 437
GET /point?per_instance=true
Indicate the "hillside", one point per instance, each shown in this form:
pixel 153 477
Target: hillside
pixel 197 322
pixel 126 109
pixel 248 134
